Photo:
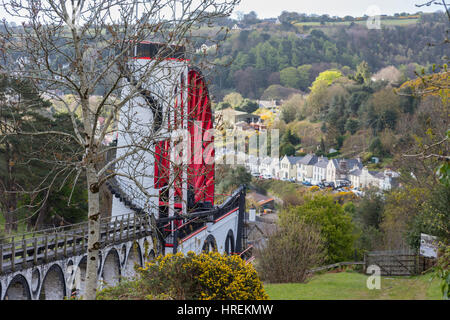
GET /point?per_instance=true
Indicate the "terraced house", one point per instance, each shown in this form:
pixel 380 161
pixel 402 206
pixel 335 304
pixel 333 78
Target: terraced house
pixel 288 167
pixel 305 167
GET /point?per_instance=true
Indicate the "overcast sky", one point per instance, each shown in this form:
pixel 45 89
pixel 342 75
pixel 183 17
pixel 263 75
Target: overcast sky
pixel 356 8
pixel 273 8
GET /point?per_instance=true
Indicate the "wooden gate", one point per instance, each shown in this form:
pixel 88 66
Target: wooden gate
pixel 394 263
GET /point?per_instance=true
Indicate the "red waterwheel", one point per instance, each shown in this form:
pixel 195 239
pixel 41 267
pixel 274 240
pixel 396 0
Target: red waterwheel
pixel 200 166
pixel 200 125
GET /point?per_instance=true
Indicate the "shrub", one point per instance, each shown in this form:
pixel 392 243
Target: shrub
pixel 208 276
pixel 329 217
pixel 291 250
pixel 442 272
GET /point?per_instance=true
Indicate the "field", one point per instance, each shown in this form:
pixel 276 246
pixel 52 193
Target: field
pixel 352 286
pixel 386 22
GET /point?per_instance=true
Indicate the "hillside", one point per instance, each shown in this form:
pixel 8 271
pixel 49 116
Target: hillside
pixel 260 52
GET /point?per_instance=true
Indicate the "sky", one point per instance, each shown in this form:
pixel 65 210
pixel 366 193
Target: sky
pixel 356 8
pixel 341 8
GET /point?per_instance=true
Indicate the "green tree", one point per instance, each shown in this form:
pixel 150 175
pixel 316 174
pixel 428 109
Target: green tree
pixel 292 109
pixel 289 77
pixel 328 76
pixel 352 125
pixel 287 149
pixel 234 99
pixel 334 223
pixel 248 106
pixel 23 110
pixel 304 74
pixel 362 74
pixel 230 178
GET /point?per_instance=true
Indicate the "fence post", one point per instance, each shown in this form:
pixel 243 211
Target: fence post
pixel 135 226
pixel 46 249
pixel 56 246
pixel 106 232
pixel 365 263
pixel 65 245
pixel 13 255
pixel 128 227
pixel 1 258
pixel 121 228
pixel 35 251
pixel 115 230
pixel 84 238
pixel 24 252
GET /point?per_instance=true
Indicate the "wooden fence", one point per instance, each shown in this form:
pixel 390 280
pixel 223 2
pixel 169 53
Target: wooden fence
pixel 32 249
pixel 397 263
pixel 336 265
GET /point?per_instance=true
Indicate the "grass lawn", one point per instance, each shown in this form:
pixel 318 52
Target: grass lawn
pixel 352 286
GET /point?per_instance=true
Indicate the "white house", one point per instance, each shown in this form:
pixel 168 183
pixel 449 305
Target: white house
pixel 305 167
pixel 390 179
pixel 288 167
pixel 252 164
pixel 320 170
pixel 364 178
pixel 338 169
pixel 264 165
pixel 275 168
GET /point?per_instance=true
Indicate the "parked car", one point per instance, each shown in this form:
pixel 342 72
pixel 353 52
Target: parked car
pixel 342 183
pixel 292 179
pixel 306 183
pixel 328 184
pixel 284 179
pixel 267 176
pixel 255 174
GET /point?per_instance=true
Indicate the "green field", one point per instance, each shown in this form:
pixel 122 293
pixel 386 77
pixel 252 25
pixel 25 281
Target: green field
pixel 352 286
pixel 386 22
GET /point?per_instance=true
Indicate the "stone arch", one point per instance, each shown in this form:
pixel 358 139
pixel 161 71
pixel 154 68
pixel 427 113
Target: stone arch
pixel 111 268
pixel 53 284
pixel 18 289
pixel 229 242
pixel 133 258
pixel 210 244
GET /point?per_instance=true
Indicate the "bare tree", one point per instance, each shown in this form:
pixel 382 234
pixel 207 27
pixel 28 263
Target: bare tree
pixel 289 252
pixel 83 47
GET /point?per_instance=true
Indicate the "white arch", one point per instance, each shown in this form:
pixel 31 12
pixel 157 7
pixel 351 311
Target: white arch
pixel 134 257
pixel 18 289
pixel 53 285
pixel 111 268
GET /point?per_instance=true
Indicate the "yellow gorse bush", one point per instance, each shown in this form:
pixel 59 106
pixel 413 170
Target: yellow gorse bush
pixel 207 276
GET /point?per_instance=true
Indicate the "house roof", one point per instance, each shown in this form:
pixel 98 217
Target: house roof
pixel 322 162
pixel 350 163
pixel 230 111
pixel 293 160
pixel 309 159
pixel 379 175
pixel 259 198
pixel 266 160
pixel 355 172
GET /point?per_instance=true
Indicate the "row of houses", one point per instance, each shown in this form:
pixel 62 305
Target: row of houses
pixel 318 169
